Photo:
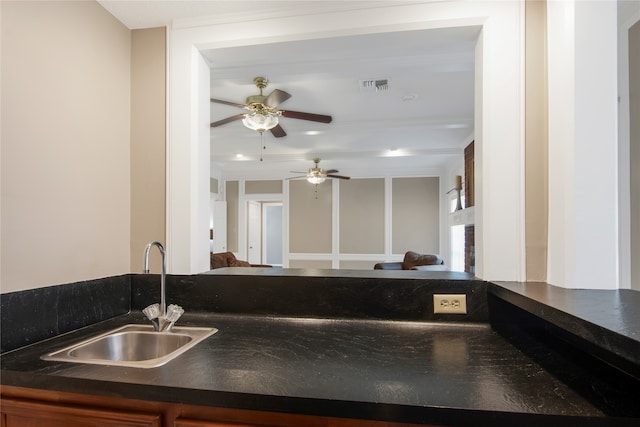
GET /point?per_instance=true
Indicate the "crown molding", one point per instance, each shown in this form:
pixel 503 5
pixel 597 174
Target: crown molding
pixel 284 9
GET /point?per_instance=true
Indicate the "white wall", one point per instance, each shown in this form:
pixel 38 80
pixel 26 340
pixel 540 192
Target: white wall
pixel 499 141
pixel 65 144
pixel 583 169
pixel 187 159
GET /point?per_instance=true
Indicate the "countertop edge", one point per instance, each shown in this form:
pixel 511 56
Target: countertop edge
pixel 544 301
pixel 373 411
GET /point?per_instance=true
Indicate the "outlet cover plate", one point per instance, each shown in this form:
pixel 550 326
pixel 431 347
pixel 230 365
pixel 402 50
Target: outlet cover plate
pixel 450 303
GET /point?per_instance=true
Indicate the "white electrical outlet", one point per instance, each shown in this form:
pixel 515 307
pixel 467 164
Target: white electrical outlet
pixel 450 303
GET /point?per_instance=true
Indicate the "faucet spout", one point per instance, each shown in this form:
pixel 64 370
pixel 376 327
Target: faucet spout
pixel 163 276
pixel 161 316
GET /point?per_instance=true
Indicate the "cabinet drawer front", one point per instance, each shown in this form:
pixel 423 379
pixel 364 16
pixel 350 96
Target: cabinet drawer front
pixel 23 413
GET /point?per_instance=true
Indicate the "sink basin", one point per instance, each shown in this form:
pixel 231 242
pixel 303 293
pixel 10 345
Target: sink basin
pixel 133 346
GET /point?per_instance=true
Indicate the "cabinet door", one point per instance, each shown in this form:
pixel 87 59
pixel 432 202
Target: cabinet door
pixel 22 413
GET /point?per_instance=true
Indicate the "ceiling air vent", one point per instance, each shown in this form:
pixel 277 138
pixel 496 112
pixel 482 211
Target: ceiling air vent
pixel 374 85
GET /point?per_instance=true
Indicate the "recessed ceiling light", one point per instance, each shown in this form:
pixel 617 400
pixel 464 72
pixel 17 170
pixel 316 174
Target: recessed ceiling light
pixel 239 156
pixel 313 132
pixel 456 126
pixel 394 152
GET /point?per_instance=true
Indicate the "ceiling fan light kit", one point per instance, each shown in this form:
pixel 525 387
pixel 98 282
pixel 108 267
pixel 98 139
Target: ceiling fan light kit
pixel 260 122
pixel 263 114
pixel 316 175
pixel 315 178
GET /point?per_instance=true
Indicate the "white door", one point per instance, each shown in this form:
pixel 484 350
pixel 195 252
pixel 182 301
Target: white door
pixel 254 232
pixel 219 226
pixel 272 233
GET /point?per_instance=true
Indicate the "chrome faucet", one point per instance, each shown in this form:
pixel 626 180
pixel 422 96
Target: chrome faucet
pixel 161 316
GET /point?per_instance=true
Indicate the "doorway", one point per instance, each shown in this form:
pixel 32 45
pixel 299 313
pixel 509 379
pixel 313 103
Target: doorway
pixel 272 236
pixel 498 111
pixel 254 232
pixel 264 232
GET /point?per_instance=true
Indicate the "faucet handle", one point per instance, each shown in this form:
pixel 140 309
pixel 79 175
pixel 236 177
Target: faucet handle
pixel 152 311
pixel 174 312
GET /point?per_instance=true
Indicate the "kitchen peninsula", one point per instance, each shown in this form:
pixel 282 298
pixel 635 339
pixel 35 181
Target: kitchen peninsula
pixel 334 348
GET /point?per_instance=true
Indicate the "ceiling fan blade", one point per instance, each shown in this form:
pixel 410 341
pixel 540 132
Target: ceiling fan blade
pixel 276 98
pixel 296 172
pixel 307 116
pixel 332 171
pixel 233 104
pixel 278 132
pixel 338 176
pixel 227 120
pixel 297 177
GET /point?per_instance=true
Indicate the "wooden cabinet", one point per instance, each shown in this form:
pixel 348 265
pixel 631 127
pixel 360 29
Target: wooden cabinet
pixel 325 422
pixel 26 413
pixel 21 407
pixel 200 423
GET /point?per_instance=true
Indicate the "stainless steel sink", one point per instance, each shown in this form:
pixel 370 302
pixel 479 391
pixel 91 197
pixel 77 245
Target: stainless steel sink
pixel 133 346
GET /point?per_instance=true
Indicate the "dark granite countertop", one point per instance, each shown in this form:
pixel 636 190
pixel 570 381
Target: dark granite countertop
pixel 350 344
pixel 462 374
pixel 605 323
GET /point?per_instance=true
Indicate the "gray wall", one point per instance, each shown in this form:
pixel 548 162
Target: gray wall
pixel 263 187
pixel 362 216
pixel 310 225
pixel 415 214
pixel 373 219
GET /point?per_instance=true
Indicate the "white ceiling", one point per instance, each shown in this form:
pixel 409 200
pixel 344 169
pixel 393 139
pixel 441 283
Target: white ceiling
pixel 433 68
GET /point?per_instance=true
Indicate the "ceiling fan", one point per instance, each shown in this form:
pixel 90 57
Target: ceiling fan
pixel 263 113
pixel 317 175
